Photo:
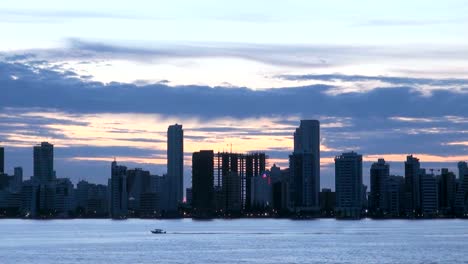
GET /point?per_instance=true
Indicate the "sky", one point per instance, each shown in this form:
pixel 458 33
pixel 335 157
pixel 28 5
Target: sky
pixel 104 79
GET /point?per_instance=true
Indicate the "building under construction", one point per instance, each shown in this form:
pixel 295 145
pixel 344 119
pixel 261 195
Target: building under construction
pixel 232 177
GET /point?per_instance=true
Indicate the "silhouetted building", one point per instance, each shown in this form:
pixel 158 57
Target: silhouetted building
pixel 219 202
pixel 447 190
pixel 348 185
pixel 10 203
pixel 394 196
pixel 158 183
pixel 304 166
pixel 149 204
pixel 4 181
pixel 280 179
pixel 379 172
pixel 254 167
pixel 412 186
pixel 429 199
pixel 280 196
pixel 44 163
pixel 261 192
pixel 81 196
pixel 138 183
pixel 97 201
pixel 327 202
pixel 230 175
pixel 175 165
pixel 461 198
pixel 118 191
pixel 91 199
pixel 64 198
pixel 30 199
pixel 2 160
pixel 203 183
pixel 188 196
pixel 230 172
pixel 462 170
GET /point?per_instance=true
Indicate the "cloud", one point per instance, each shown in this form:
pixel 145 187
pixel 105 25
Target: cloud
pixel 362 83
pixel 407 22
pixel 44 88
pixel 91 122
pixel 291 55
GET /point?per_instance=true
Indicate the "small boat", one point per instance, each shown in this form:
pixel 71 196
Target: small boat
pixel 158 231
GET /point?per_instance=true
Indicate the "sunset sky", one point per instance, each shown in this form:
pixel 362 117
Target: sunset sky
pixel 101 79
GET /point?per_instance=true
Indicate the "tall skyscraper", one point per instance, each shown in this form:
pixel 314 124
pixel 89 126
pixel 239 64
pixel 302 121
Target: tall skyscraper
pixel 461 198
pixel 305 166
pixel 230 177
pixel 379 172
pixel 2 160
pixel 446 192
pixel 429 195
pixel 118 191
pixel 462 170
pixel 175 165
pixel 138 183
pixel 254 167
pixel 44 163
pixel 348 185
pixel 394 195
pixel 412 186
pixel 203 183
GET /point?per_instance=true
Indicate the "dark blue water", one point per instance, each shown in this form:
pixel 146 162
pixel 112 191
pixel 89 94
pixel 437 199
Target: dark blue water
pixel 234 241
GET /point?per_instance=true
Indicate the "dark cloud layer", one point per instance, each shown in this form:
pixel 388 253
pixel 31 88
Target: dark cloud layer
pixel 43 88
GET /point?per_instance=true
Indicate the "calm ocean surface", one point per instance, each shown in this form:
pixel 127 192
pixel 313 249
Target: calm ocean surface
pixel 234 241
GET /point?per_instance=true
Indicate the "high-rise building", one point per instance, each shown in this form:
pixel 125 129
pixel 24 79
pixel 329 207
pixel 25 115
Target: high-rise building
pixel 175 165
pixel 412 186
pixel 64 197
pixel 118 191
pixel 29 199
pixel 254 168
pixel 81 196
pixel 446 190
pixel 230 176
pixel 461 198
pixel 327 202
pixel 2 160
pixel 305 166
pixel 280 180
pixel 203 183
pixel 348 185
pixel 261 192
pixel 394 196
pixel 44 163
pixel 429 197
pixel 379 172
pixel 138 183
pixel 462 170
pixel 97 205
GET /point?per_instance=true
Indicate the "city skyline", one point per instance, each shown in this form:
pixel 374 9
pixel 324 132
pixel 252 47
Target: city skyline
pixel 230 184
